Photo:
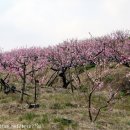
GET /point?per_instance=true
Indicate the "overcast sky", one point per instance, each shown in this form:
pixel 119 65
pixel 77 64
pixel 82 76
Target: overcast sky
pixel 25 23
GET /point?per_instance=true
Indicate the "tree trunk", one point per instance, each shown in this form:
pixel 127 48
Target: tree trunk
pixel 35 93
pixel 89 107
pixel 64 79
pixel 24 83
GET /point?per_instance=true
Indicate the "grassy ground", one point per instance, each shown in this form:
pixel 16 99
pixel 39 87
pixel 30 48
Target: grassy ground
pixel 63 110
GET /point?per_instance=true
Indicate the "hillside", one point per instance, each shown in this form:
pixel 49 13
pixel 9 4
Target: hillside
pixel 76 85
pixel 60 109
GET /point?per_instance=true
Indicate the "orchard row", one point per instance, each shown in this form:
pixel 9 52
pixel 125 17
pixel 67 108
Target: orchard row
pixel 27 64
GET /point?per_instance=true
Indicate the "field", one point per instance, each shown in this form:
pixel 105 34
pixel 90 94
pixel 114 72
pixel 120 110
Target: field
pixel 60 109
pixel 76 85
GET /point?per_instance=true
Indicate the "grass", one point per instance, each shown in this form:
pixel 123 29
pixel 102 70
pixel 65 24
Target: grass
pixel 65 122
pixel 64 110
pixel 57 106
pixel 28 116
pixel 109 78
pixel 70 114
pixel 44 119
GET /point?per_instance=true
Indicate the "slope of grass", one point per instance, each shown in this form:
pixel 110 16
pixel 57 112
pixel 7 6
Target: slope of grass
pixel 64 110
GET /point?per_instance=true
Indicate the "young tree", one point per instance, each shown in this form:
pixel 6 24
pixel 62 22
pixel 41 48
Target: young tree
pixel 61 58
pixel 20 63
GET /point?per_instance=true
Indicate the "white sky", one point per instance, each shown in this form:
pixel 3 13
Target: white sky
pixel 49 22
